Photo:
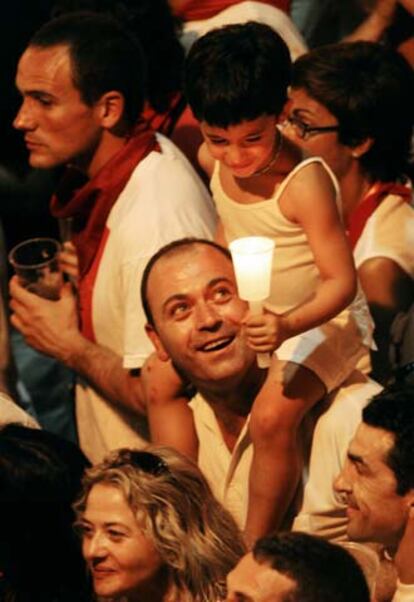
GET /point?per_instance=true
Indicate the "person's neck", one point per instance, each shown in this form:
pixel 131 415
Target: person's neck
pixel 107 145
pixel 237 392
pixel 354 185
pixel 158 589
pixel 231 401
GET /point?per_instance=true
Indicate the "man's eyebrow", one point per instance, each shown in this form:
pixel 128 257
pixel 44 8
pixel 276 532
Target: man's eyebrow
pixel 176 297
pixel 221 279
pixel 211 284
pixel 355 458
pixel 37 94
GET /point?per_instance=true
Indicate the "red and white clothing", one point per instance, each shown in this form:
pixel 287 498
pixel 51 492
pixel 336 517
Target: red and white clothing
pixel 389 233
pixel 196 10
pixel 241 12
pixel 162 201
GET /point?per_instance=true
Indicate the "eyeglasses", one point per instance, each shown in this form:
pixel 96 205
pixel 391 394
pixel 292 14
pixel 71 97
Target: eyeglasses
pixel 306 131
pixel 143 460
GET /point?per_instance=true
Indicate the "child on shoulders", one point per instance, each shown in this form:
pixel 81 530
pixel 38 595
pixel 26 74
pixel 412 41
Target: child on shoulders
pixel 236 83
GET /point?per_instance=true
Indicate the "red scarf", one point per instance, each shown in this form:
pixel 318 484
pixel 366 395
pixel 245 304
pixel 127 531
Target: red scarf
pixel 90 202
pixel 166 122
pixel 374 196
pixel 197 10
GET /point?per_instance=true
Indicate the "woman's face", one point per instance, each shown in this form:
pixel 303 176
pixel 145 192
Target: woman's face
pixel 121 559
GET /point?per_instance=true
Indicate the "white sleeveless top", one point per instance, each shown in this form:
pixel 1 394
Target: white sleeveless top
pixel 294 274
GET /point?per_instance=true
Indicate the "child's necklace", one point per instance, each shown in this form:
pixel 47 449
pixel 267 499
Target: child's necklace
pixel 273 159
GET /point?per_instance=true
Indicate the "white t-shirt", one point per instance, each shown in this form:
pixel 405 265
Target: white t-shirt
pixel 323 512
pixel 227 472
pixel 389 233
pixel 404 592
pixel 164 200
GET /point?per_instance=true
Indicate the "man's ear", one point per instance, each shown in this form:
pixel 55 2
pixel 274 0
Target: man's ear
pixel 409 496
pixel 111 107
pixel 363 147
pixel 156 341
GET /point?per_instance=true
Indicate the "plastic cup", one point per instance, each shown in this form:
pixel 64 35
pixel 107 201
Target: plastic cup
pixel 36 263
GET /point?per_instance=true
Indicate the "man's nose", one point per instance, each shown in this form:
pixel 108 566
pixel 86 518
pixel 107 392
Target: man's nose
pixel 24 119
pixel 342 483
pixel 207 317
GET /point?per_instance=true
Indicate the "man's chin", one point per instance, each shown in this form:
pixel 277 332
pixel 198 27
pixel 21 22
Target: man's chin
pixel 38 161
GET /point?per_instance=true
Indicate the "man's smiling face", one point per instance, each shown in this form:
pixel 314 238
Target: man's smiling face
pixel 376 512
pixel 197 315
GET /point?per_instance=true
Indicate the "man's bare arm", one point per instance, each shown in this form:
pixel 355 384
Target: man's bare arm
pixel 52 328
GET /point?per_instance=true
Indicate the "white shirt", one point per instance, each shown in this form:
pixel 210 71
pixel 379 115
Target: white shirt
pixel 226 471
pixel 164 200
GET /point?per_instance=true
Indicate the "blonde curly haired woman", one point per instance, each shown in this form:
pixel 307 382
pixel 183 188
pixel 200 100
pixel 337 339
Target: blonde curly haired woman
pixel 152 530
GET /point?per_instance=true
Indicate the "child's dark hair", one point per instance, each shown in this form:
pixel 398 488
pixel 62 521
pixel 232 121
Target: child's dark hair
pixel 237 73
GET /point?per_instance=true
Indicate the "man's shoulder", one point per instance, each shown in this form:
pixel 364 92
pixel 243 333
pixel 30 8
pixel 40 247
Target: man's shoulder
pixel 166 173
pixel 170 158
pixel 10 412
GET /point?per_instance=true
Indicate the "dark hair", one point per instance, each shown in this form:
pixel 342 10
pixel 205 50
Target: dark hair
pixel 322 571
pixel 40 477
pixel 175 247
pixel 393 411
pixel 157 30
pixel 104 57
pixel 237 73
pixel 370 90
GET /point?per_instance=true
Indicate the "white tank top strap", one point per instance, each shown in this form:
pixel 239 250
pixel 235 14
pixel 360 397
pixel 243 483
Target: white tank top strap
pixel 303 164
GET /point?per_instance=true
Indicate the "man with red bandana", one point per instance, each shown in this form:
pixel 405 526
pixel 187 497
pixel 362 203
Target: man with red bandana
pixel 128 192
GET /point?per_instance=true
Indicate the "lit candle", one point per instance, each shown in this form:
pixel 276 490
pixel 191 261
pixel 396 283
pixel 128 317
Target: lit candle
pixel 252 258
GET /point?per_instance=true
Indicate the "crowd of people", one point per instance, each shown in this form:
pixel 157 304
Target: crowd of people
pixel 156 459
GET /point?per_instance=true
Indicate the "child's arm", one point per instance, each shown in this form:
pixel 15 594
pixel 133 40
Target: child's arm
pixel 169 416
pixel 310 200
pixel 312 203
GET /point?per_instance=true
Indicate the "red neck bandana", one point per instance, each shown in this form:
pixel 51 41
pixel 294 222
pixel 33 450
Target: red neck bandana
pixel 374 196
pixel 90 202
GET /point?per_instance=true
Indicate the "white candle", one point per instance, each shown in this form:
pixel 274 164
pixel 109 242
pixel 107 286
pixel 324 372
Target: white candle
pixel 252 258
